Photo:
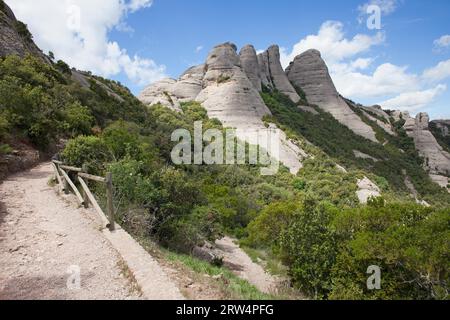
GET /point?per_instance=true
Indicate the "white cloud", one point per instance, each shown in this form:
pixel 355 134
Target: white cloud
pixel 443 41
pixel 77 32
pixel 414 101
pixel 356 76
pixel 361 63
pixel 441 44
pixel 387 79
pixel 387 6
pixel 333 45
pixel 135 5
pixel 198 49
pixel 440 72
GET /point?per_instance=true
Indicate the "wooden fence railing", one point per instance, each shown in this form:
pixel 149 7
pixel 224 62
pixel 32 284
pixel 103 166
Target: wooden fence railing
pixel 85 197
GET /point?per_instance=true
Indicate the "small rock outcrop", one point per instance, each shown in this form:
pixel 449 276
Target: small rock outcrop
pixel 437 161
pixel 366 190
pixel 443 126
pixel 309 72
pixel 381 118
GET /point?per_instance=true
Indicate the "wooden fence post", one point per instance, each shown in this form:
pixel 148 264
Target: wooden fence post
pixel 65 185
pixel 83 192
pixel 109 198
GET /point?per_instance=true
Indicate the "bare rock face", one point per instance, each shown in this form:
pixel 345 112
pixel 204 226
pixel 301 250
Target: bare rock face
pixel 381 118
pixel 273 74
pixel 228 94
pixel 367 190
pixel 161 92
pixel 170 93
pixel 437 161
pixel 249 62
pixel 264 71
pixel 309 72
pixel 443 126
pixel 227 86
pixel 190 84
pixel 14 40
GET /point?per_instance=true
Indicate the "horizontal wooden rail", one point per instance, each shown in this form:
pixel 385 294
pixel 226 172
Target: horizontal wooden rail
pixel 69 168
pixel 64 181
pixel 91 177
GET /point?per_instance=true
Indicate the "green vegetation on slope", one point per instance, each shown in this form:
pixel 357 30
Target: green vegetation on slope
pixel 339 142
pixel 443 140
pixel 328 250
pixel 311 221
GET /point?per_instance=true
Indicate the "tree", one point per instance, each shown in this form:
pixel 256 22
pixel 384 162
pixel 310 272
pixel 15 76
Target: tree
pixel 79 119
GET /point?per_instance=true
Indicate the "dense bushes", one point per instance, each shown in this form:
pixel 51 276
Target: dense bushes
pixel 312 221
pixel 339 142
pixel 42 103
pixel 89 152
pixel 328 250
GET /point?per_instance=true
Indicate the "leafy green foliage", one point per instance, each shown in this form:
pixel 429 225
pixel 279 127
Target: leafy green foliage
pixel 63 67
pixel 328 250
pixel 339 142
pixel 79 119
pixel 22 30
pixel 409 243
pixel 312 221
pixel 443 140
pixel 5 149
pixel 90 152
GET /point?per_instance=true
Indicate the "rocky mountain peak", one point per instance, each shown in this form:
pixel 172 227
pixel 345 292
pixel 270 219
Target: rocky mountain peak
pixel 276 76
pixel 250 65
pixel 437 161
pixel 310 72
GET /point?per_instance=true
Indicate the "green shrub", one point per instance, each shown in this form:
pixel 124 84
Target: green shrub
pixel 63 67
pixel 122 138
pixel 22 30
pixel 4 127
pixel 79 119
pixel 408 242
pixel 273 219
pixel 87 151
pixel 5 149
pixel 308 247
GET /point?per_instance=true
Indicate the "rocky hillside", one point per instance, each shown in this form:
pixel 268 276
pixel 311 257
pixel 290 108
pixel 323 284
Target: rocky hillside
pixel 229 85
pixel 14 35
pixel 35 126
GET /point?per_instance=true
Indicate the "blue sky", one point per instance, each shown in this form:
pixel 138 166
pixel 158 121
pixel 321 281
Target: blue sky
pixel 405 64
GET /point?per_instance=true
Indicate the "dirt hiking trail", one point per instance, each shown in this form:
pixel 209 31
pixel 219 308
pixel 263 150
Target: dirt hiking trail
pixel 45 242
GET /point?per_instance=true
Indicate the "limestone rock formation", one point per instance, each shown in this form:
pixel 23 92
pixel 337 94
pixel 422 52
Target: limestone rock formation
pixel 273 74
pixel 367 190
pixel 309 72
pixel 14 37
pixel 161 92
pixel 227 86
pixel 443 126
pixel 437 161
pixel 381 118
pixel 250 65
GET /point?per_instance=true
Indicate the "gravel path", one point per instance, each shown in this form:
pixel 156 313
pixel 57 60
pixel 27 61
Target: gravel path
pixel 45 242
pixel 238 261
